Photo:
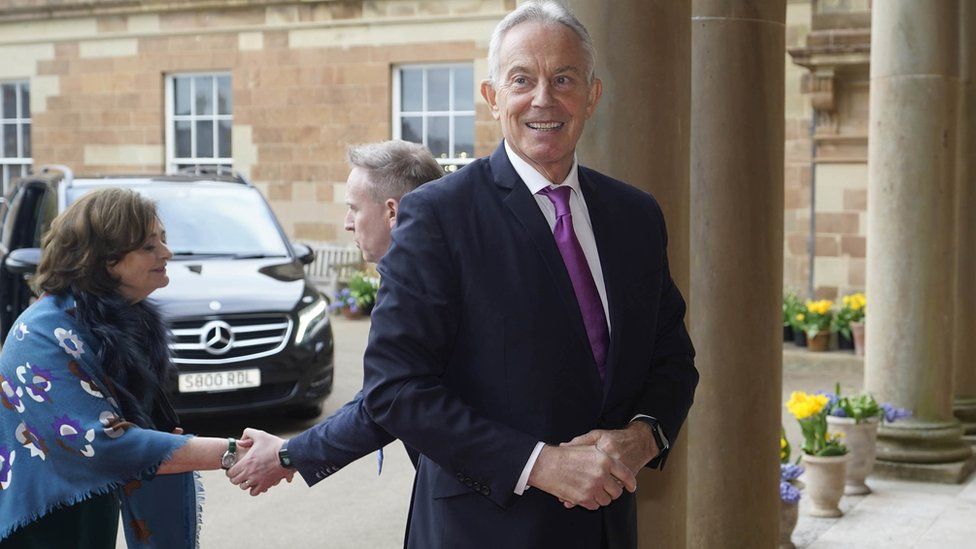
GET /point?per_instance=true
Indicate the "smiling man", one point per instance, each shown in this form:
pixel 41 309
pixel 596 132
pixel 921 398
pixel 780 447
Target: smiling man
pixel 528 338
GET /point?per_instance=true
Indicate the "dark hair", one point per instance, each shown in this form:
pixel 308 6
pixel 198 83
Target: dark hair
pixel 95 231
pixel 395 167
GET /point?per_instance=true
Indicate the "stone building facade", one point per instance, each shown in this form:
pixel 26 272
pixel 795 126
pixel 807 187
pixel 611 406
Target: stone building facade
pixel 279 89
pixel 825 246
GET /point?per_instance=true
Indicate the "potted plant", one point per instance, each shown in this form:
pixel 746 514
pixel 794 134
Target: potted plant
pixel 789 493
pixel 797 321
pixel 858 305
pixel 824 456
pixel 358 298
pixel 792 305
pixel 816 324
pixel 841 324
pixel 857 418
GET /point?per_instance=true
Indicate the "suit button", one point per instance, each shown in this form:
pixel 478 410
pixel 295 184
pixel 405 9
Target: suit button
pixel 460 477
pixel 319 475
pixel 476 485
pixel 485 491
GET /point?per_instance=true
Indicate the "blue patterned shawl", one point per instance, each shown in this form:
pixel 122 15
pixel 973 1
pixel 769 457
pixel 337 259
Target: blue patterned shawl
pixel 63 438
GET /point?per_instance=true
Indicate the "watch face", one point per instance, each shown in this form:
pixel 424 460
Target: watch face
pixel 228 460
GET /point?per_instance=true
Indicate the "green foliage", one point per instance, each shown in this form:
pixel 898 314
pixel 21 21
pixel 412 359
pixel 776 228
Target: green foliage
pixel 792 307
pixel 363 289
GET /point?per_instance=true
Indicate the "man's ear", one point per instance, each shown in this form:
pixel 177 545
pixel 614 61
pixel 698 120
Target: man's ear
pixel 488 92
pixel 392 204
pixel 596 90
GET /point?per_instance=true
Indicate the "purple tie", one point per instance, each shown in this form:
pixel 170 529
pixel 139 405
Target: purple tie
pixel 591 307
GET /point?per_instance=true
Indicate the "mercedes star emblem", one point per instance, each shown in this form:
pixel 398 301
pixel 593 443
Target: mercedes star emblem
pixel 217 337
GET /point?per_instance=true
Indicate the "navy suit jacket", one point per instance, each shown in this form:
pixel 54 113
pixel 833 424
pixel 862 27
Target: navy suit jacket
pixel 478 351
pixel 344 437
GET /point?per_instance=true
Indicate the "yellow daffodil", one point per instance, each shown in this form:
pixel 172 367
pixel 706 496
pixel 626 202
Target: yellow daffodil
pixel 800 317
pixel 803 405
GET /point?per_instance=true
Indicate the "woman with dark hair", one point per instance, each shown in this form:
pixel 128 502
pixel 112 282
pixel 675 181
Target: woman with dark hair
pixel 85 426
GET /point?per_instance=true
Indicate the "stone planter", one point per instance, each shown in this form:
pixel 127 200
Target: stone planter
pixel 820 342
pixel 825 484
pixel 788 515
pixel 857 332
pixel 861 441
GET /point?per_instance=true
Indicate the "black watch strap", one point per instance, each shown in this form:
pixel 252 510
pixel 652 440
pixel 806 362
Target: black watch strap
pixel 284 458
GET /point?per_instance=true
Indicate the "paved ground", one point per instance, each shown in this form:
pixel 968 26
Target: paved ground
pixel 354 508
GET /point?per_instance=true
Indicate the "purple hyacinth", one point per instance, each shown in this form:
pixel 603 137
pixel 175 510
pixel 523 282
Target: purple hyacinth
pixel 838 412
pixel 894 413
pixel 790 472
pixel 788 493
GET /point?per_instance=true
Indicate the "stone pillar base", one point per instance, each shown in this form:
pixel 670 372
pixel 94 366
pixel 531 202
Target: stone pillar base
pixel 922 442
pixel 944 473
pixel 965 411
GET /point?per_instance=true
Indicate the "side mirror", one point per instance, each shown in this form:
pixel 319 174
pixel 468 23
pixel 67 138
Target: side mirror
pixel 23 261
pixel 305 254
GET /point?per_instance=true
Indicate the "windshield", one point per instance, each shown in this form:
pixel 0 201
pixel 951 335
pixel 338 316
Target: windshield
pixel 204 220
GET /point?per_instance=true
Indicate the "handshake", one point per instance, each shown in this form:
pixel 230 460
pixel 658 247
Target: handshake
pixel 591 471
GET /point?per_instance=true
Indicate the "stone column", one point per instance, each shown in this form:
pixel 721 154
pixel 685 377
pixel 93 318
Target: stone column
pixel 737 102
pixel 639 134
pixel 964 349
pixel 910 264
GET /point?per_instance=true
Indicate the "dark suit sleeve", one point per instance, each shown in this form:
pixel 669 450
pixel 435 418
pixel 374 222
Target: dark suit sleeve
pixel 330 445
pixel 415 324
pixel 669 388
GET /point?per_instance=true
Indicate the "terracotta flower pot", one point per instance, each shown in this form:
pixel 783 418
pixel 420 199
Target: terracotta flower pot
pixel 825 484
pixel 861 441
pixel 350 314
pixel 857 331
pixel 820 342
pixel 788 515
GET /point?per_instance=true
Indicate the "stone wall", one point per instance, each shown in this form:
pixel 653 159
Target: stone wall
pixel 307 81
pixel 827 74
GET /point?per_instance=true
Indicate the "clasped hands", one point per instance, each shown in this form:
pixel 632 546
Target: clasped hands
pixel 591 471
pixel 594 469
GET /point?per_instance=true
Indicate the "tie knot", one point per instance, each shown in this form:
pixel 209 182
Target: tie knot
pixel 559 197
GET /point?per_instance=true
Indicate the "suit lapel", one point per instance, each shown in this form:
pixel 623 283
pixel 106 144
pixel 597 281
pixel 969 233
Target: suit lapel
pixel 613 263
pixel 523 205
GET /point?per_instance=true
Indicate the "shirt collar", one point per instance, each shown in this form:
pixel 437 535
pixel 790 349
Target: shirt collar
pixel 534 180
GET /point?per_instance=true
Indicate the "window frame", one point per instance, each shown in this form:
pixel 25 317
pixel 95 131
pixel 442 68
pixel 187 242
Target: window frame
pixel 25 163
pixel 173 162
pixel 397 114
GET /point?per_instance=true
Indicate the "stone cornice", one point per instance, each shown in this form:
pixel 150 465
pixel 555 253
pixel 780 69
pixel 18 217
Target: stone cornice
pixel 28 10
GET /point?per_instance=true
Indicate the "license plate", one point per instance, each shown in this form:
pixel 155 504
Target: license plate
pixel 229 380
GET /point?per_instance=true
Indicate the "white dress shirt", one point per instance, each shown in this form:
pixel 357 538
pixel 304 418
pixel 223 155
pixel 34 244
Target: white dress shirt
pixel 536 182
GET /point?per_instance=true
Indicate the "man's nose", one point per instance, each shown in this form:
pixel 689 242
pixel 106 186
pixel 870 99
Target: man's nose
pixel 543 95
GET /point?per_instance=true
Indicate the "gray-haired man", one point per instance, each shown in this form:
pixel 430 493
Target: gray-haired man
pixel 381 174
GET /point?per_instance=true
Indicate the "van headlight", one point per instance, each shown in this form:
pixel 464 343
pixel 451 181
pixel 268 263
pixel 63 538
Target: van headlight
pixel 311 318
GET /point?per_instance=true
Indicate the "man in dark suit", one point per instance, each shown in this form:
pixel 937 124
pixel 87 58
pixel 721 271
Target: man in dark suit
pixel 381 174
pixel 526 301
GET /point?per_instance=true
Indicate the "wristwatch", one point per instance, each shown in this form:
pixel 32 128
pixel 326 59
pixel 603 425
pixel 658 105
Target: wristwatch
pixel 230 456
pixel 283 458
